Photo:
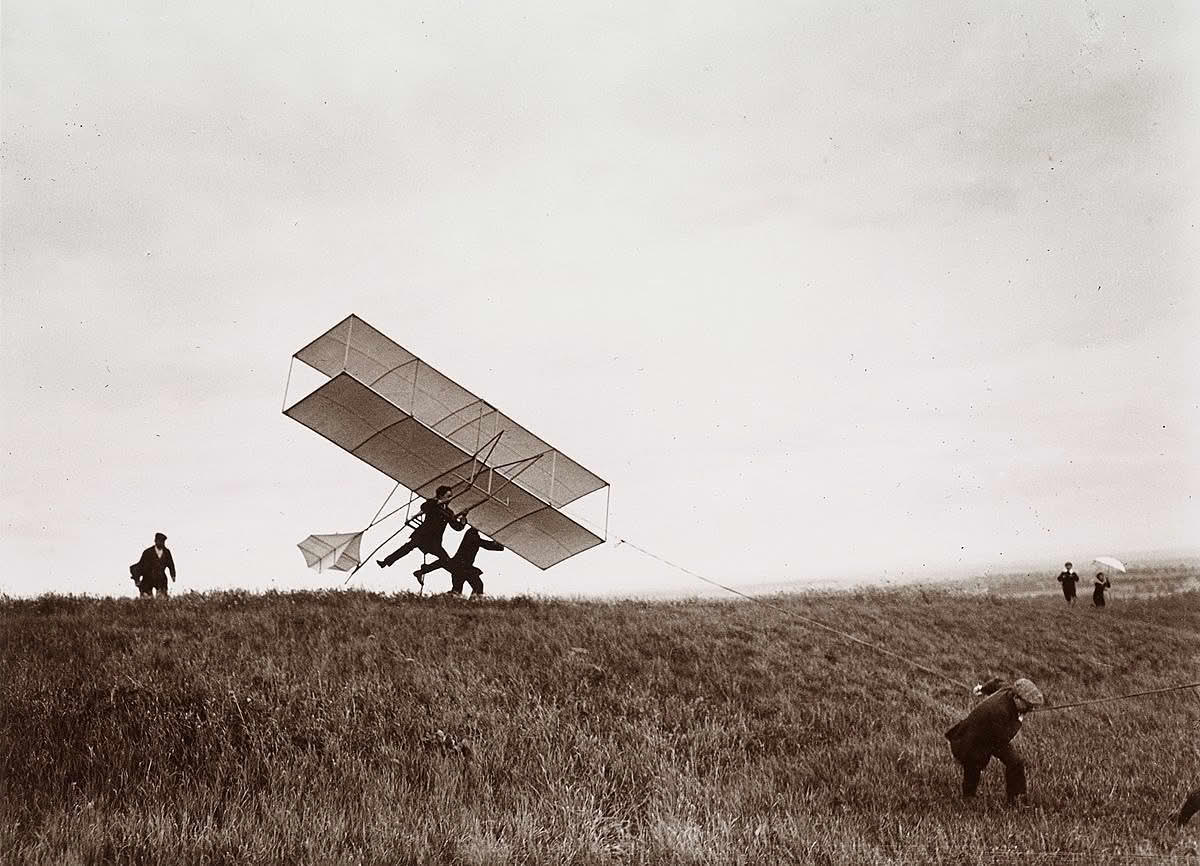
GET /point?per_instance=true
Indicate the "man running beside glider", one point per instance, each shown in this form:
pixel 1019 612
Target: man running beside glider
pixel 428 536
pixel 987 732
pixel 462 566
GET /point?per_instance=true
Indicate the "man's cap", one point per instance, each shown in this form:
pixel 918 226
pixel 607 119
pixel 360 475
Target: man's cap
pixel 160 536
pixel 441 491
pixel 1068 565
pixel 1028 692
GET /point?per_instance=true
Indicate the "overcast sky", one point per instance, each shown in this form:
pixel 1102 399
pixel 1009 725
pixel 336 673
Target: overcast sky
pixel 820 288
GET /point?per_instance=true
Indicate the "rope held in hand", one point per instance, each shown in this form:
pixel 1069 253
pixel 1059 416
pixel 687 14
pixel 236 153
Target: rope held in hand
pixel 1195 685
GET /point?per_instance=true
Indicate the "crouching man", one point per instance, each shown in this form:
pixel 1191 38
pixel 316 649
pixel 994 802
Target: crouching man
pixel 987 733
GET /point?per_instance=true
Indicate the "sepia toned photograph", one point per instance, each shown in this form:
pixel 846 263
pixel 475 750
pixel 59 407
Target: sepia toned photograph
pixel 598 433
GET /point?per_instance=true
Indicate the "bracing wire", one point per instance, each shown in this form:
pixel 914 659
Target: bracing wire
pixel 387 499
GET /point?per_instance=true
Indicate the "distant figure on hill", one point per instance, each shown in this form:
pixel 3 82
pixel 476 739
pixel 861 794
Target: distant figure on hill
pixel 428 536
pixel 1098 586
pixel 150 572
pixel 987 732
pixel 462 566
pixel 1068 578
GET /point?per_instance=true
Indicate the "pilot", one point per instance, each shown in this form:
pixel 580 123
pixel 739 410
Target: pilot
pixel 427 537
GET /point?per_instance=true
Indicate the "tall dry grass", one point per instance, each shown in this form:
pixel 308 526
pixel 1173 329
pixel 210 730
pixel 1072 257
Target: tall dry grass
pixel 359 728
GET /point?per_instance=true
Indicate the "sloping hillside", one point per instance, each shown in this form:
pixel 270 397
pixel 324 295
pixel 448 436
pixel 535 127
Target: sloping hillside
pixel 360 728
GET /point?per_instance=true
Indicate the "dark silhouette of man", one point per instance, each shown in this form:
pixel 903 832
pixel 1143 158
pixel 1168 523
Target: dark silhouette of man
pixel 987 733
pixel 462 566
pixel 152 568
pixel 428 536
pixel 1100 584
pixel 1189 808
pixel 1068 578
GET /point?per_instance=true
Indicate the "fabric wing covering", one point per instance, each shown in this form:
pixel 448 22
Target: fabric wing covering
pixel 392 410
pixel 336 552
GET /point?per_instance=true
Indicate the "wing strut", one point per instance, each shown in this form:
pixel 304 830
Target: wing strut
pixel 508 479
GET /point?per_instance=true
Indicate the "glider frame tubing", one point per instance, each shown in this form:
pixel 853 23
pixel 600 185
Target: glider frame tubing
pixel 508 479
pixel 408 505
pixel 407 519
pixel 491 410
pixel 468 484
pixel 375 519
pixel 489 494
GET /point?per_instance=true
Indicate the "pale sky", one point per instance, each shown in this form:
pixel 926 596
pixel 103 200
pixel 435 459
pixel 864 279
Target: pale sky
pixel 829 288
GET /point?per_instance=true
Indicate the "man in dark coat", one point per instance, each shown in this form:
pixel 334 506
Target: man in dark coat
pixel 436 516
pixel 462 566
pixel 1189 808
pixel 152 568
pixel 987 732
pixel 1068 578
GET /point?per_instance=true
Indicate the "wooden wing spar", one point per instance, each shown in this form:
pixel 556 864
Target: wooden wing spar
pixel 392 410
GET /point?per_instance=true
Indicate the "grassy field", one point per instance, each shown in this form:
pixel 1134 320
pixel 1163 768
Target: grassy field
pixel 357 728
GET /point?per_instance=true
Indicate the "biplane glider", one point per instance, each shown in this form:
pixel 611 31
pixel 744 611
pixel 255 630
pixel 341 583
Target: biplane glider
pixel 395 412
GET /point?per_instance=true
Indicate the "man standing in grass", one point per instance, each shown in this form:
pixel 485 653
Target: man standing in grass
pixel 436 516
pixel 152 568
pixel 987 733
pixel 1068 578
